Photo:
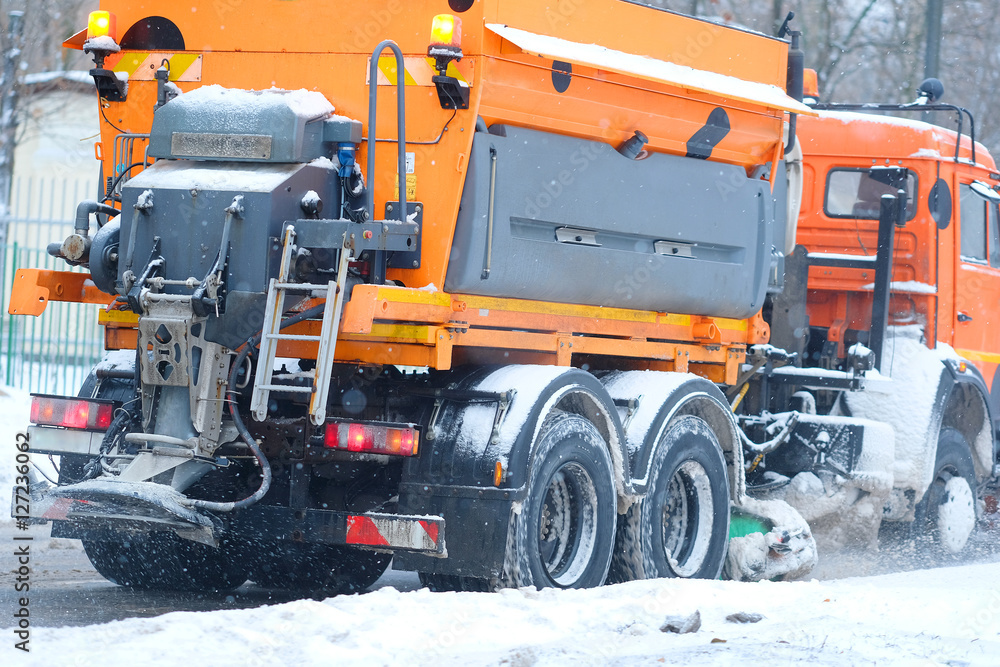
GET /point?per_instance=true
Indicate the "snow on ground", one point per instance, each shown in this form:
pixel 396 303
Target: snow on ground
pixel 929 617
pixel 14 409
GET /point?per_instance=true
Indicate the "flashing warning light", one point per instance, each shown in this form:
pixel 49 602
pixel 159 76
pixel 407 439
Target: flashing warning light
pixel 71 413
pixel 962 367
pixel 446 30
pixel 397 440
pixel 101 24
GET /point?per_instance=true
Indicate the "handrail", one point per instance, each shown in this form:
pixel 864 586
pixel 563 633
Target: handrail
pixel 400 119
pixel 959 111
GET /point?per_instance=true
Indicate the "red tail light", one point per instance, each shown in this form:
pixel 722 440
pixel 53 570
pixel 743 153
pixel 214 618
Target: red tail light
pixel 399 440
pixel 71 413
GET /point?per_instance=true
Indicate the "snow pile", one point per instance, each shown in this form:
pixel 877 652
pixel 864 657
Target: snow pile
pixel 76 76
pixel 787 551
pixel 15 405
pixel 946 616
pixel 307 104
pixel 916 372
pixel 191 175
pixel 103 43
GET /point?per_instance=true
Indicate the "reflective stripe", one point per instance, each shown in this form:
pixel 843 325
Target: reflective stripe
pixel 974 355
pixel 418 71
pixel 142 65
pixel 394 532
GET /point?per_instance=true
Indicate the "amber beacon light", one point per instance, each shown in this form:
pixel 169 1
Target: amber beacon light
pixel 101 24
pixel 445 47
pixel 446 30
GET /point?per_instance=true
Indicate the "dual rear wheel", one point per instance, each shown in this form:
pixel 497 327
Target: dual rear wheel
pixel 567 532
pixel 681 527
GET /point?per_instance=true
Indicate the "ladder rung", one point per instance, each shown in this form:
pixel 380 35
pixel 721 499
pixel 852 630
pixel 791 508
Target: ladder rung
pixel 271 336
pixel 286 387
pixel 304 287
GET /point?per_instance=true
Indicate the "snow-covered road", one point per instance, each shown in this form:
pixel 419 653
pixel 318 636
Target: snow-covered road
pixel 948 616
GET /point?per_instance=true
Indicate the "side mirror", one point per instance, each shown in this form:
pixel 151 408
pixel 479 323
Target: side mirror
pixel 985 191
pixel 939 203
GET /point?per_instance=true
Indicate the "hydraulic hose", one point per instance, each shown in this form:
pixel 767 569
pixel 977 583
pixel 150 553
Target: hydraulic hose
pixel 234 411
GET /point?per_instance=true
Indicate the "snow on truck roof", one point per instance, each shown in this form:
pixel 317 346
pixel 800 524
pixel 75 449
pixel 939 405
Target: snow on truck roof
pixel 877 136
pixel 652 69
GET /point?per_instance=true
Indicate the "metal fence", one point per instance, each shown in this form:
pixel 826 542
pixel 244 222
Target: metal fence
pixel 52 353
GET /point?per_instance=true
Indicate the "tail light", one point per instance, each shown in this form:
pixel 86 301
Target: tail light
pixel 398 440
pixel 71 413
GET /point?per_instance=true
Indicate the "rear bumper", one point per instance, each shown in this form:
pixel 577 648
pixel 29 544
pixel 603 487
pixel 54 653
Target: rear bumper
pixel 51 440
pixel 101 509
pixel 393 532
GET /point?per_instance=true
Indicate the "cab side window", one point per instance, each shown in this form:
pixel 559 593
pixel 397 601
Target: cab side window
pixel 857 193
pixel 973 212
pixel 980 224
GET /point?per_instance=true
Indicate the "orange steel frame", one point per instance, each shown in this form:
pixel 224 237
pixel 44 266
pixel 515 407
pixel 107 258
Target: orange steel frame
pixel 325 46
pixel 840 299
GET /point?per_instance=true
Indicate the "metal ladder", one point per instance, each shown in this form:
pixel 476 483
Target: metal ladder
pixel 271 334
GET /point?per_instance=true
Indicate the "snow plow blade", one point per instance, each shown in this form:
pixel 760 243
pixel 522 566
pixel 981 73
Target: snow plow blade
pixel 128 506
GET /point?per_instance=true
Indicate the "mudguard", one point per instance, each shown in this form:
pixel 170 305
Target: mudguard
pixel 982 439
pixel 486 418
pixel 656 397
pixel 928 407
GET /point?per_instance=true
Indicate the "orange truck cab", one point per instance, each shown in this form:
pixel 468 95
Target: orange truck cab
pixel 941 300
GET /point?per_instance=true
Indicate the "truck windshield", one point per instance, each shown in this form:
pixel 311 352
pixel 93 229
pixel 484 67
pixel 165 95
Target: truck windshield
pixel 857 193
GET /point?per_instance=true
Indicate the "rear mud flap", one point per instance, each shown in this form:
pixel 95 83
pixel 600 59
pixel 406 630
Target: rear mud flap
pixel 127 506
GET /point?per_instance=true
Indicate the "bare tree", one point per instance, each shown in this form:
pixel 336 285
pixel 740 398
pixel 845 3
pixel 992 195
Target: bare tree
pixel 874 50
pixel 32 33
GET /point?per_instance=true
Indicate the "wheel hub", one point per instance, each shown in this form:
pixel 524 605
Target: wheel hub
pixel 687 518
pixel 956 514
pixel 567 524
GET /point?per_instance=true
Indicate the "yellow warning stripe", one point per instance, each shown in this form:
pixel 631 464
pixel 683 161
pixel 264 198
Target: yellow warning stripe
pixel 142 65
pixel 973 355
pixel 418 71
pixel 117 317
pixel 387 66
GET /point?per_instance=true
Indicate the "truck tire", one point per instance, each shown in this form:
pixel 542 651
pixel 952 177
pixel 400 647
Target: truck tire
pixel 681 527
pixel 319 569
pixel 163 561
pixel 125 561
pixel 440 583
pixel 563 535
pixel 946 516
